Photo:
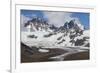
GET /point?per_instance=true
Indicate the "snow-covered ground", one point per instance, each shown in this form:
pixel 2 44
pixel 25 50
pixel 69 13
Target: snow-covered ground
pixel 49 42
pixel 41 34
pixel 43 50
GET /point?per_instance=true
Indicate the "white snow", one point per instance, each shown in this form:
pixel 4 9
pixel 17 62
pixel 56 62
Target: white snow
pixel 86 33
pixel 81 26
pixel 45 42
pixel 51 41
pixel 43 50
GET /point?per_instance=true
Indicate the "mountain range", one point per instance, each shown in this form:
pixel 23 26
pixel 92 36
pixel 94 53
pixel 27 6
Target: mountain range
pixel 42 34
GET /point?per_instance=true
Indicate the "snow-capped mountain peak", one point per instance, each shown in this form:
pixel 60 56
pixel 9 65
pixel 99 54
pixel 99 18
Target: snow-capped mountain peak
pixel 41 33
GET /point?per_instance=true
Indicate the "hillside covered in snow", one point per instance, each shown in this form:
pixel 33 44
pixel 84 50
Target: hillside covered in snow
pixel 42 34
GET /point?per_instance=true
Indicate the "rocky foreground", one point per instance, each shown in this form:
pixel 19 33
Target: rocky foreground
pixel 32 54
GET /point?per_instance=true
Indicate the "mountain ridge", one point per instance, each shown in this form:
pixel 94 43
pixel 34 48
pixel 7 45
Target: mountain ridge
pixel 47 35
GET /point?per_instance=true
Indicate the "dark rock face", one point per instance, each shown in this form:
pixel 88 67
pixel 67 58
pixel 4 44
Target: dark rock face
pixel 32 36
pixel 87 45
pixel 53 27
pixel 48 35
pixel 71 24
pixel 66 25
pixel 79 42
pixel 61 41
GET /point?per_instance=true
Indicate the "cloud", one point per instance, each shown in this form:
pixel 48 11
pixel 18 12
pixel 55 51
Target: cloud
pixel 59 18
pixel 24 19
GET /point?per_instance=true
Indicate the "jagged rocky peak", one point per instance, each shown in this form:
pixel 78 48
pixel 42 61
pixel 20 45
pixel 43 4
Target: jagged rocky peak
pixel 73 24
pixel 70 26
pixel 71 33
pixel 40 24
pixel 37 24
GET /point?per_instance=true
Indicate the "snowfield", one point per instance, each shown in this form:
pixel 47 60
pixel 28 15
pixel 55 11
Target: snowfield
pixel 41 34
pixel 50 42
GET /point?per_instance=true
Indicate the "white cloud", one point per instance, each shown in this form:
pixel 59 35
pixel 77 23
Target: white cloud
pixel 59 18
pixel 24 19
